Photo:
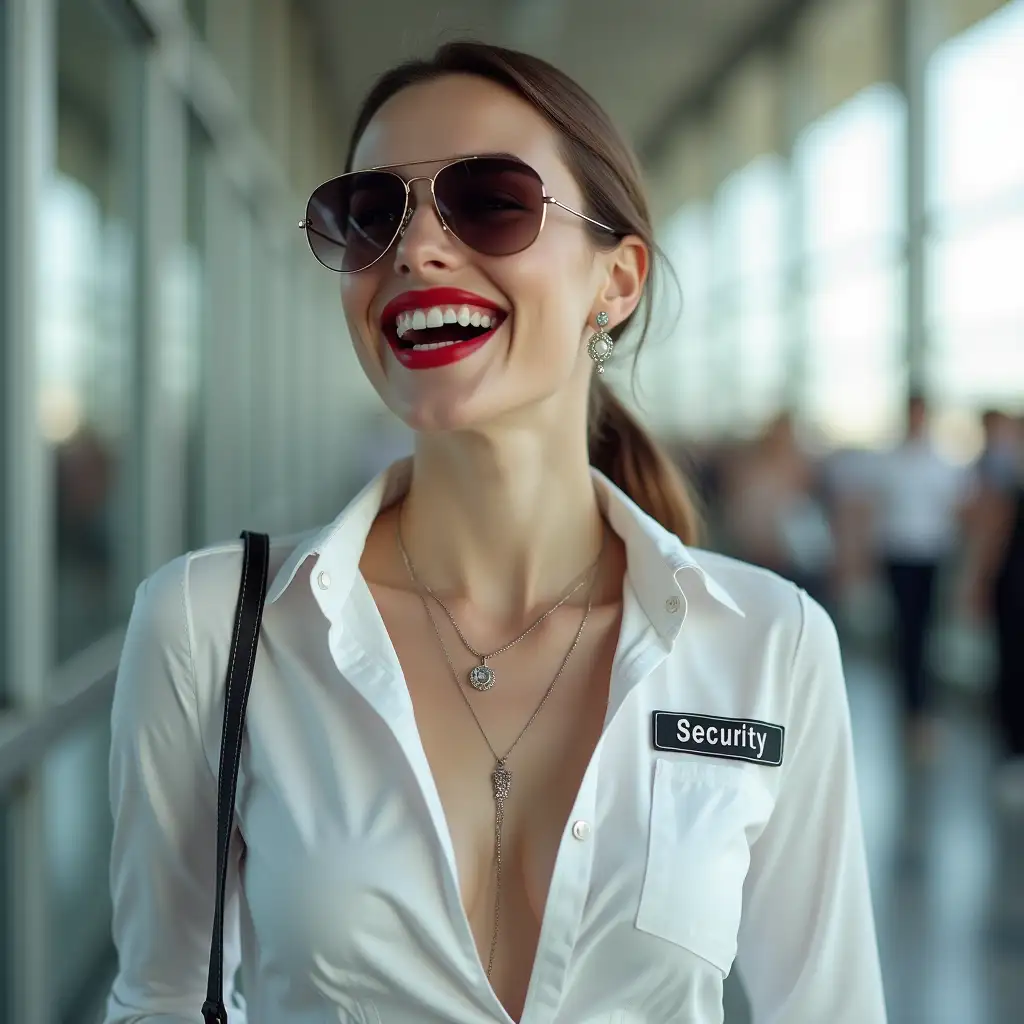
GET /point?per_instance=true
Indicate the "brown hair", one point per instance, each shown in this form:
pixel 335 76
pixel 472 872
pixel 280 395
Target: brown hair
pixel 609 177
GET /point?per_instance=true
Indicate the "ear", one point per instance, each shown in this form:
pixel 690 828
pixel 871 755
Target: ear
pixel 626 269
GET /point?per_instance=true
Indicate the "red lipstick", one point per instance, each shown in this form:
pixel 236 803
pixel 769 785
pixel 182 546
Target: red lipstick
pixel 426 359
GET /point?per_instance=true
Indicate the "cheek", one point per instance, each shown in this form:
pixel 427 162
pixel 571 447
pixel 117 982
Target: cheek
pixel 357 294
pixel 553 307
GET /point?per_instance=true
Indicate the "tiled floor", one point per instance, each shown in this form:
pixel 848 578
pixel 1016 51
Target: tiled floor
pixel 947 866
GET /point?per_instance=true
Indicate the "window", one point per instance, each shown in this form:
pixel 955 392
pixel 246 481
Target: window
pixel 88 321
pixel 7 883
pixel 751 212
pixel 685 364
pixel 975 169
pixel 196 334
pixel 850 164
pixel 78 838
pixel 974 82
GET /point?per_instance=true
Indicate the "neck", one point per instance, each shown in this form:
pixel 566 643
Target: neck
pixel 505 523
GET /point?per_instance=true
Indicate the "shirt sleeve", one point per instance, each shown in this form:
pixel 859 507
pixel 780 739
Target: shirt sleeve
pixel 807 945
pixel 163 795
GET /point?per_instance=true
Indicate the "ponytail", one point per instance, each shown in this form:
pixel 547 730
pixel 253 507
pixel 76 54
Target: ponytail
pixel 624 451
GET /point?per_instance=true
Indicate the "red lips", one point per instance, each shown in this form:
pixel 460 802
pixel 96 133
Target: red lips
pixel 426 359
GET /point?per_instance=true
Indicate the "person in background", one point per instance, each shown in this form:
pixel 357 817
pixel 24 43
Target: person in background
pixel 847 493
pixel 997 586
pixel 918 498
pixel 992 476
pixel 772 512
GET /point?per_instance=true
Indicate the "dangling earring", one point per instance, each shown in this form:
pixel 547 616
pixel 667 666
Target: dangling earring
pixel 600 345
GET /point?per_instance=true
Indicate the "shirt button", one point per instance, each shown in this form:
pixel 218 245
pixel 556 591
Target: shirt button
pixel 672 605
pixel 581 830
pixel 323 580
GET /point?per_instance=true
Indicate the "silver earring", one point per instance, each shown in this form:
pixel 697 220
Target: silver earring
pixel 600 345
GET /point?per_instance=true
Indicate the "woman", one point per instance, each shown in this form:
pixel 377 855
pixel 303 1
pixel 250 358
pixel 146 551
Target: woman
pixel 514 751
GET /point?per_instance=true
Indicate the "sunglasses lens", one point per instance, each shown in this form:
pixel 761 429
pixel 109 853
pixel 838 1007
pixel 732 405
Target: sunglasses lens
pixel 351 221
pixel 493 205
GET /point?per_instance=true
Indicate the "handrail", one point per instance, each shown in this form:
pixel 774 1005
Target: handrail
pixel 78 689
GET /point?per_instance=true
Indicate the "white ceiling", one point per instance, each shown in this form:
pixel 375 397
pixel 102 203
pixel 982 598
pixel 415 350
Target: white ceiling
pixel 640 58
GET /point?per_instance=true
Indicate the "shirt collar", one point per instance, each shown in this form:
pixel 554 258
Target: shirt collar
pixel 665 574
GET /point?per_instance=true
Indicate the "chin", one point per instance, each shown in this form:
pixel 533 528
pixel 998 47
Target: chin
pixel 436 417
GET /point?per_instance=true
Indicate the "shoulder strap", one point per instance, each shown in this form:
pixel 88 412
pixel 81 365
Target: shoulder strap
pixel 248 616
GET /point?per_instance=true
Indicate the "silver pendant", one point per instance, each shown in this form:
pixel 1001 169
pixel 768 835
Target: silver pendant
pixel 481 677
pixel 501 782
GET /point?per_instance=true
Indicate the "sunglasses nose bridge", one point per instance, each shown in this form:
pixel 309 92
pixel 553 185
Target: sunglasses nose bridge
pixel 412 203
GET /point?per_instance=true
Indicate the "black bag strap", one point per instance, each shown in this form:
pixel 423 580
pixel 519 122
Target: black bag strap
pixel 252 594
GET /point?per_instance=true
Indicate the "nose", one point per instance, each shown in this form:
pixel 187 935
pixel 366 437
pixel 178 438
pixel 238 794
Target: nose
pixel 424 242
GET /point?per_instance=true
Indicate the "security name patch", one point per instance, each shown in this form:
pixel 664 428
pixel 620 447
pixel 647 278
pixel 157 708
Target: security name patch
pixel 741 739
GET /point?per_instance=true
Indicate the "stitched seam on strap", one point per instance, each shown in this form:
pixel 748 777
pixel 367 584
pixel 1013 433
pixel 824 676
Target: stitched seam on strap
pixel 252 658
pixel 231 665
pixel 223 748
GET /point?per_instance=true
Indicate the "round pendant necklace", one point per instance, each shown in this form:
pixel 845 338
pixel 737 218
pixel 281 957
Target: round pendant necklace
pixel 481 677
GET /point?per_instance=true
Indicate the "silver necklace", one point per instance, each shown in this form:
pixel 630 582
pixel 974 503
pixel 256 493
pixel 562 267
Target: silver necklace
pixel 481 677
pixel 501 777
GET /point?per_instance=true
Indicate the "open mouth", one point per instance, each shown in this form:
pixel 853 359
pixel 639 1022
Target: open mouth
pixel 437 327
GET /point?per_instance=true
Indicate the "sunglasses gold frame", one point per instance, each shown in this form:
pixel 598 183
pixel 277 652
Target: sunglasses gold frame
pixel 408 210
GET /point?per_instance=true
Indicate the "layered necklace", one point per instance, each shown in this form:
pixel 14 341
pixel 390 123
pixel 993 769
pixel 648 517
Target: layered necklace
pixel 481 677
pixel 501 777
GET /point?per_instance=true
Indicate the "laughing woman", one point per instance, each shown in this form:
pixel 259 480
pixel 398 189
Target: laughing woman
pixel 516 750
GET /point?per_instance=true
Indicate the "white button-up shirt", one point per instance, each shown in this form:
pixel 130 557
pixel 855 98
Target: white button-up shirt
pixel 343 897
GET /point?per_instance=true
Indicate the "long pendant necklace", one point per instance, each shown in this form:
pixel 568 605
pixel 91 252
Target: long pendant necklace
pixel 501 777
pixel 481 677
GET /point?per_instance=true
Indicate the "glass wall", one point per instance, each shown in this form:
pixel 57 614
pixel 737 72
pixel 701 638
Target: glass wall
pixel 197 336
pixel 807 300
pixel 78 834
pixel 89 320
pixel 975 202
pixel 7 287
pixel 749 260
pixel 850 169
pixel 691 409
pixel 192 377
pixel 7 882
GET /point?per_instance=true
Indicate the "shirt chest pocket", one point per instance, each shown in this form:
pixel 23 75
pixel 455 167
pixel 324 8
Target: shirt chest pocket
pixel 704 818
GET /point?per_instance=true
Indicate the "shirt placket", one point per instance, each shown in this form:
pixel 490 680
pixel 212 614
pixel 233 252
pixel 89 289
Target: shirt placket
pixel 567 897
pixel 381 687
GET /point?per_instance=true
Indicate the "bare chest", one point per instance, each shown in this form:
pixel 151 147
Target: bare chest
pixel 544 742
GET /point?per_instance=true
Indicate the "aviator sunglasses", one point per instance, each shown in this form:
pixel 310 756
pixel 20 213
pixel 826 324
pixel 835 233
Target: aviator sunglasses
pixel 496 205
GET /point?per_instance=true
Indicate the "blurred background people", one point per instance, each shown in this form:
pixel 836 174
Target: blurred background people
pixel 772 510
pixel 918 502
pixel 1001 587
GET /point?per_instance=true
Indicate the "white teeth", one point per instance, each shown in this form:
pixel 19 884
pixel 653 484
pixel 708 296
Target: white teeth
pixel 437 316
pixel 428 345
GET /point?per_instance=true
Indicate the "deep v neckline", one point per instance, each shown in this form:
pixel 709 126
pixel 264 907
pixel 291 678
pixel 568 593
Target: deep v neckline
pixel 582 807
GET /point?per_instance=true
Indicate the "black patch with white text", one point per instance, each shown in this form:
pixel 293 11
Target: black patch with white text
pixel 741 739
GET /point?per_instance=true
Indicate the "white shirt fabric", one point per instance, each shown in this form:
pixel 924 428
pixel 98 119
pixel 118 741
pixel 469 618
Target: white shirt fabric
pixel 919 494
pixel 344 905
